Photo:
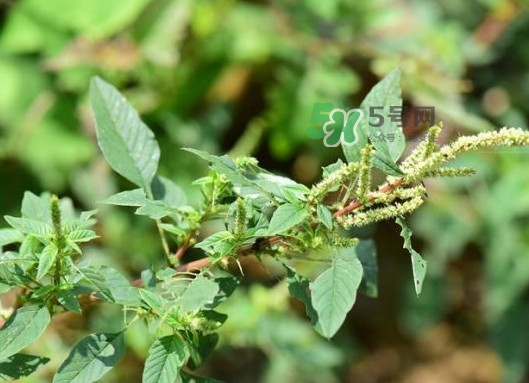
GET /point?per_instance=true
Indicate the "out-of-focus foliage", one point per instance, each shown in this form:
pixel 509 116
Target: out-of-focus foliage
pixel 243 76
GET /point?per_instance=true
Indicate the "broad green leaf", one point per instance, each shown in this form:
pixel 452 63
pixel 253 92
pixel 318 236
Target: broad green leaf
pixel 9 236
pixel 333 293
pixel 325 216
pixel 134 197
pixel 166 357
pixel 29 226
pixel 198 293
pixel 286 217
pixel 417 262
pixel 165 190
pixel 91 358
pixel 46 260
pixel 127 143
pixel 113 286
pixel 35 207
pixel 20 365
pixel 367 255
pixel 384 94
pixel 22 329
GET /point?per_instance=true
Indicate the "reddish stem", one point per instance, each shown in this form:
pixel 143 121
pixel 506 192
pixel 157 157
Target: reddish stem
pixel 356 204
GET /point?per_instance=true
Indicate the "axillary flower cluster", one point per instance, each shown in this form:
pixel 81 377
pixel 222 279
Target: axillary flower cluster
pixel 403 194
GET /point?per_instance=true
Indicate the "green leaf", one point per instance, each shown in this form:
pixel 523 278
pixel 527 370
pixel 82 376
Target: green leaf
pixel 223 165
pixel 220 243
pixel 113 286
pixel 227 285
pixel 200 346
pixel 22 329
pixel 286 217
pixel 29 226
pixel 166 356
pixel 82 235
pixel 384 94
pixel 299 287
pixel 9 236
pixel 46 260
pixel 154 210
pixel 333 293
pixel 126 142
pixel 367 255
pixel 325 216
pixel 19 365
pixel 417 262
pixel 165 190
pixel 134 197
pixel 154 301
pixel 388 166
pixel 282 187
pixel 198 293
pixel 35 207
pixel 91 358
pixel 69 301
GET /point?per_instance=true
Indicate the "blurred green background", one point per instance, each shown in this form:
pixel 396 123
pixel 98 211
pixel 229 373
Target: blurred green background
pixel 242 77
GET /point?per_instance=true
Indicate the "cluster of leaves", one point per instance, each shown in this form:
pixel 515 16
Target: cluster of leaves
pixel 263 215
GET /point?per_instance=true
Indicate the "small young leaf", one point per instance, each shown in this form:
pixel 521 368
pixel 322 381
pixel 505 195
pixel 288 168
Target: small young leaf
pixel 22 329
pixel 91 358
pixel 286 217
pixel 134 197
pixel 418 264
pixel 334 291
pixel 367 255
pixel 69 301
pixel 20 365
pixel 46 260
pixel 325 216
pixel 9 236
pixel 166 357
pixel 127 143
pixel 82 235
pixel 199 293
pixel 220 243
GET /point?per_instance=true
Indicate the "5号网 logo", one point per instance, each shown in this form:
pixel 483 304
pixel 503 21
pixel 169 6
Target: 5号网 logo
pixel 339 125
